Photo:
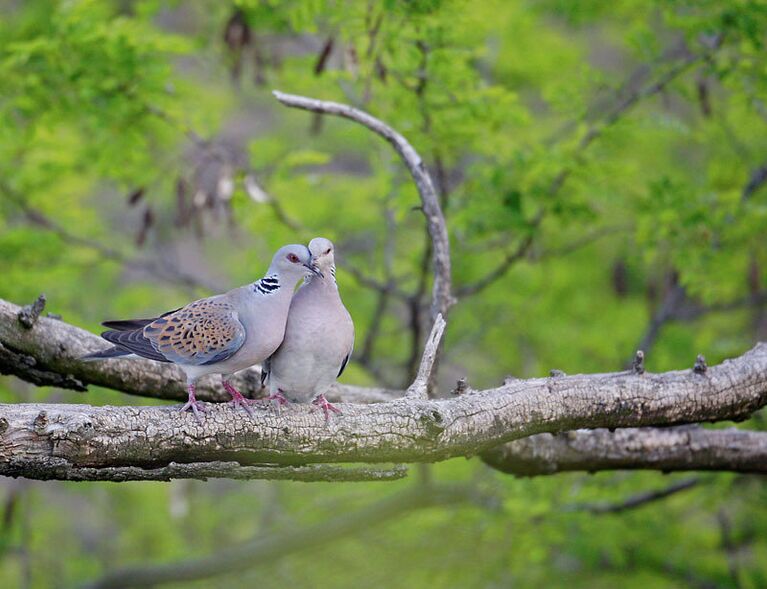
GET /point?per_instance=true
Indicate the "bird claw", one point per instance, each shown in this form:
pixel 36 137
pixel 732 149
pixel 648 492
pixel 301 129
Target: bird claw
pixel 321 402
pixel 243 402
pixel 238 400
pixel 196 406
pixel 192 403
pixel 276 400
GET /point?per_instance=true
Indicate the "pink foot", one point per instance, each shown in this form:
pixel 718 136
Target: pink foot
pixel 196 406
pixel 321 402
pixel 237 399
pixel 277 400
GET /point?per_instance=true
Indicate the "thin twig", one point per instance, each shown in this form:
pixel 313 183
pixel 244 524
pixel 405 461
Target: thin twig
pixel 419 388
pixel 163 272
pixel 635 501
pixel 509 260
pixel 756 180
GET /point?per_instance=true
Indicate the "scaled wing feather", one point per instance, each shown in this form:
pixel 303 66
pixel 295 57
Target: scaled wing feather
pixel 204 332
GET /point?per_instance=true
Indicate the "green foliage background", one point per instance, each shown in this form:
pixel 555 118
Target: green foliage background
pixel 612 144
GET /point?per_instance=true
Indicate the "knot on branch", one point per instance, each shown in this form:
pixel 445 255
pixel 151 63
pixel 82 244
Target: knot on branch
pixel 40 423
pixel 461 387
pixel 637 366
pixel 29 313
pixel 433 421
pixel 555 373
pixel 700 365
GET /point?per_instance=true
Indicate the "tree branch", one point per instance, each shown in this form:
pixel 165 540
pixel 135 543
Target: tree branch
pixel 420 387
pixel 62 470
pixel 404 430
pixel 165 272
pixel 498 272
pixel 435 221
pixel 682 448
pixel 756 180
pixel 638 500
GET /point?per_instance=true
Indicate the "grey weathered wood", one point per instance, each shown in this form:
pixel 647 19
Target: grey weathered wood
pixel 666 449
pixel 51 468
pixel 37 437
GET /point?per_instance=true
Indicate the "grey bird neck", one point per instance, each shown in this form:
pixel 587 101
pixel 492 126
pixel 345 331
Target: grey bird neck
pixel 327 282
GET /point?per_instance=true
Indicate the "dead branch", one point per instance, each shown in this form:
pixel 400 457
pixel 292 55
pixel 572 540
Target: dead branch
pixel 419 388
pixel 682 448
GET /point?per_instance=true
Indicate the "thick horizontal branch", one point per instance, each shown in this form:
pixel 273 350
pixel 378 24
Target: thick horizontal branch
pixel 682 448
pixel 403 430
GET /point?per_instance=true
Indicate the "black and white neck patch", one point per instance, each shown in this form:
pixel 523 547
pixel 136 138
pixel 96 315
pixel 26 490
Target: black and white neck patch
pixel 267 285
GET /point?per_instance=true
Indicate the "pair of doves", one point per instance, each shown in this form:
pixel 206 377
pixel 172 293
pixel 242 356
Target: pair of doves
pixel 303 341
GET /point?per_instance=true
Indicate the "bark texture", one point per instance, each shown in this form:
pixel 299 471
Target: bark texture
pixel 666 449
pixel 37 438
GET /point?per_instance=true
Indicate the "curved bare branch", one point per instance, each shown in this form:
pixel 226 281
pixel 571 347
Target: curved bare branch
pixel 435 221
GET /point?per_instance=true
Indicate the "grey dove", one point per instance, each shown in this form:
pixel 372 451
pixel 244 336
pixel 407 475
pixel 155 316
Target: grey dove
pixel 220 334
pixel 319 337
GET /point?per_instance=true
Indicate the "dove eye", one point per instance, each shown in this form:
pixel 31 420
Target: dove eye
pixel 293 258
pixel 327 251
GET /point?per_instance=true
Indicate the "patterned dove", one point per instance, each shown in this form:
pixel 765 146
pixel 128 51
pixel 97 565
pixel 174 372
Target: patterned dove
pixel 220 334
pixel 319 337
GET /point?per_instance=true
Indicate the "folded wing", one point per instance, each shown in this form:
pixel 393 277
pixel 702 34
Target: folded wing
pixel 204 332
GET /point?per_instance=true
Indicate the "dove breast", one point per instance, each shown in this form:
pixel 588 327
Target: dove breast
pixel 318 341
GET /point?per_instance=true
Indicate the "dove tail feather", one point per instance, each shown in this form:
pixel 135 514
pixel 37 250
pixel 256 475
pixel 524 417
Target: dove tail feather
pixel 127 325
pixel 113 352
pixel 135 342
pixel 133 324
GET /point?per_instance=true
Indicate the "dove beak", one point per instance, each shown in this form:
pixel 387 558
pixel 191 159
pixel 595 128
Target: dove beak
pixel 314 269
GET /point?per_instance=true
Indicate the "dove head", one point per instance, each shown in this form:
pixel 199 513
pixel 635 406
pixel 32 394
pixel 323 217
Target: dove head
pixel 322 251
pixel 293 261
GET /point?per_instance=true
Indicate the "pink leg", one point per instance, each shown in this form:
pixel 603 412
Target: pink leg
pixel 237 399
pixel 196 406
pixel 321 402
